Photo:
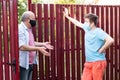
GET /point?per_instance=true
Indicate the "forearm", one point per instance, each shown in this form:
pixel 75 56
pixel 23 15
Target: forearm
pixel 74 21
pixel 107 44
pixel 28 48
pixel 39 44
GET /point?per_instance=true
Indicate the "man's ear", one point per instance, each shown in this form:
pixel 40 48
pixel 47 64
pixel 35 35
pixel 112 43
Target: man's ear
pixel 92 23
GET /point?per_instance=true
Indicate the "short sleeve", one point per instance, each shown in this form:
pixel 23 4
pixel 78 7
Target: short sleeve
pixel 84 28
pixel 22 38
pixel 102 34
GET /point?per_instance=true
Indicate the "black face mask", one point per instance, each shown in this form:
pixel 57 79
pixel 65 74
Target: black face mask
pixel 33 23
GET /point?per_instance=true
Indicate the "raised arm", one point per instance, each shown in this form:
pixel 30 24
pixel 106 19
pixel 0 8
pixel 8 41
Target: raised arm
pixel 74 21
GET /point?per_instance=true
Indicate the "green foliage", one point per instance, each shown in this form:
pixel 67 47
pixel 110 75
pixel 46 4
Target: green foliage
pixel 37 1
pixel 22 7
pixel 22 4
pixel 64 1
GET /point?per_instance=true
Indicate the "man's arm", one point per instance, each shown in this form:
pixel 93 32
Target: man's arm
pixel 74 21
pixel 39 44
pixel 108 42
pixel 44 44
pixel 28 48
pixel 33 48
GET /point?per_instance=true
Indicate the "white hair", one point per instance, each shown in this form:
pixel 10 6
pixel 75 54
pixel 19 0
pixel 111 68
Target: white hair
pixel 26 15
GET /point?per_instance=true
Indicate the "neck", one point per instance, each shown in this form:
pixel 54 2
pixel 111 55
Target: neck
pixel 94 27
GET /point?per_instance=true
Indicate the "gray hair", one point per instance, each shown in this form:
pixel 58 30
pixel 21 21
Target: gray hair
pixel 26 15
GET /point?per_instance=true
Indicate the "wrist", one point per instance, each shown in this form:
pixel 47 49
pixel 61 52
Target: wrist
pixel 37 48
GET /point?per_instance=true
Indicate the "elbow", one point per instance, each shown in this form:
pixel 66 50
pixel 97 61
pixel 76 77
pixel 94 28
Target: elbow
pixel 21 48
pixel 112 41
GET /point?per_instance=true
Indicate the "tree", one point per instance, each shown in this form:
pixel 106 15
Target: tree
pixel 22 7
pixel 64 1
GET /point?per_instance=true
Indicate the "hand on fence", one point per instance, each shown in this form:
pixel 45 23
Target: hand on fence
pixel 65 12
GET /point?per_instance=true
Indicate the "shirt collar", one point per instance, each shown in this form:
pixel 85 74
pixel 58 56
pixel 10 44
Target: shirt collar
pixel 24 25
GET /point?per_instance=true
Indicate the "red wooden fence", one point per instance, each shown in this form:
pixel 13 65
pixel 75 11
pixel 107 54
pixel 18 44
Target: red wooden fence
pixel 8 40
pixel 67 58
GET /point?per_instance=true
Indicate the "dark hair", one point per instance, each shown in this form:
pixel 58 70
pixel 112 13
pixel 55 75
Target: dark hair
pixel 92 17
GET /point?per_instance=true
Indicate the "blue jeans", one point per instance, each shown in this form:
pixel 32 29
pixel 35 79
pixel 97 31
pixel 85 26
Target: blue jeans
pixel 26 74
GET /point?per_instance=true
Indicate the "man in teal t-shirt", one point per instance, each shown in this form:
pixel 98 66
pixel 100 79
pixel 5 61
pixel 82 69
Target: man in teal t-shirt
pixel 96 42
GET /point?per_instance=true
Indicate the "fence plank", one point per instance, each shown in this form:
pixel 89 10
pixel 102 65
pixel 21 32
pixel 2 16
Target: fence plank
pixel 102 17
pixel 73 44
pixel 119 39
pixel 78 44
pixel 11 35
pixel 97 12
pixel 1 55
pixel 116 38
pixel 61 42
pixel 107 30
pixel 40 39
pixel 33 9
pixel 58 41
pixel 111 48
pixel 67 48
pixel 34 28
pixel 5 37
pixel 46 35
pixel 52 36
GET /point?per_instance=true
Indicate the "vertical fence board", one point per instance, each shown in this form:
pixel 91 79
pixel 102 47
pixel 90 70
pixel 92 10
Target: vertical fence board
pixel 1 54
pixel 58 42
pixel 34 28
pixel 111 48
pixel 11 34
pixel 83 48
pixel 40 39
pixel 67 49
pixel 107 51
pixel 33 9
pixel 102 17
pixel 116 39
pixel 119 39
pixel 61 42
pixel 5 37
pixel 72 44
pixel 78 44
pixel 52 36
pixel 46 35
pixel 97 12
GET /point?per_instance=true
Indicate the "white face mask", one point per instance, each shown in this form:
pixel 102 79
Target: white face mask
pixel 87 25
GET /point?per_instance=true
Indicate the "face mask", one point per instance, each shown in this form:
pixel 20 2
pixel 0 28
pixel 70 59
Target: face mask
pixel 33 23
pixel 87 26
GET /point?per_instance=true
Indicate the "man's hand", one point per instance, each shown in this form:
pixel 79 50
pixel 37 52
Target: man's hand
pixel 47 45
pixel 101 51
pixel 43 51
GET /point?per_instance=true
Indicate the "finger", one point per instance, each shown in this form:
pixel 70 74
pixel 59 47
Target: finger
pixel 64 8
pixel 48 54
pixel 44 48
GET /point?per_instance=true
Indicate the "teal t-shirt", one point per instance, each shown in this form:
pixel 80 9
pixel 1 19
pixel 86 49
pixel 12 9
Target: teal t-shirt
pixel 94 40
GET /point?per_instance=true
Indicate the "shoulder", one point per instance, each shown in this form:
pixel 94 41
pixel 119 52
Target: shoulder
pixel 99 30
pixel 21 28
pixel 101 34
